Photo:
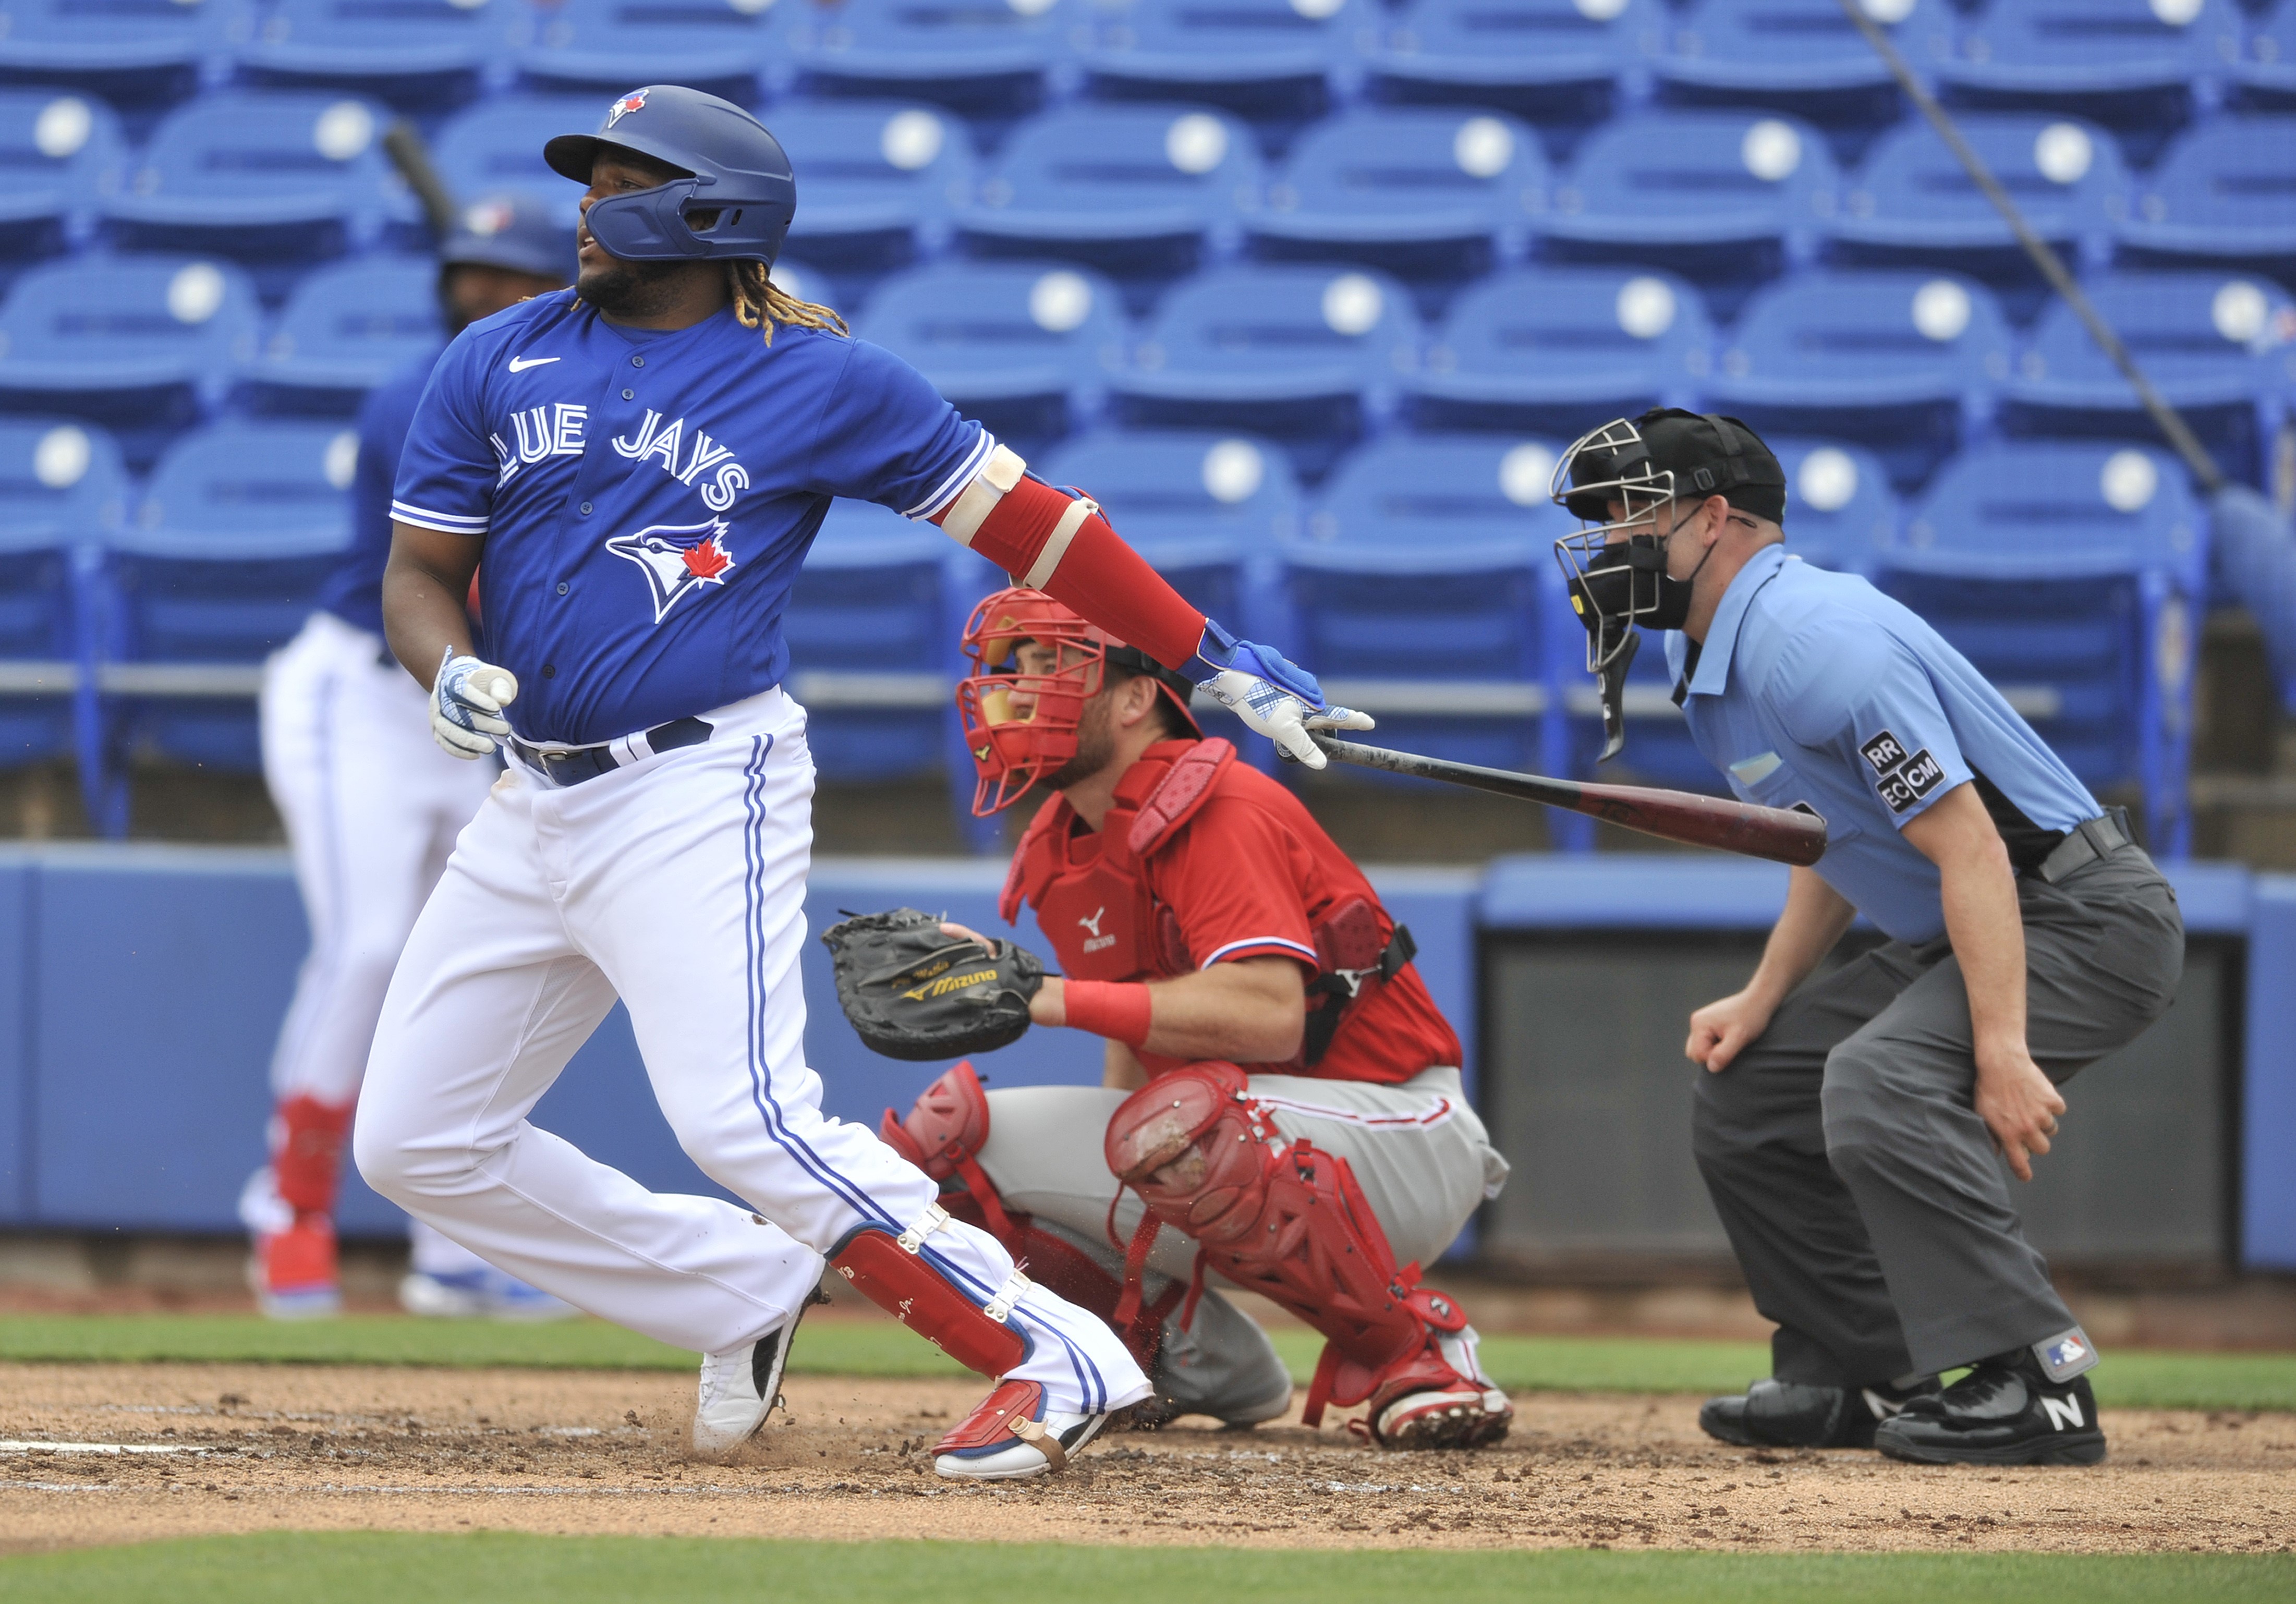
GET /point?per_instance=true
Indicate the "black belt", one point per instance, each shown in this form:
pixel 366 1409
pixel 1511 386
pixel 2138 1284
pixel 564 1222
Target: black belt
pixel 2084 843
pixel 573 767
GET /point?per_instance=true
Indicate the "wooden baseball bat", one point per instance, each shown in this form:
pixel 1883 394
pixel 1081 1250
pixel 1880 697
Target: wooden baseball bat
pixel 407 152
pixel 1782 835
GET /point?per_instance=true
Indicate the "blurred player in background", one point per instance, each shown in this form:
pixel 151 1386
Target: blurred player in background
pixel 372 808
pixel 1280 1088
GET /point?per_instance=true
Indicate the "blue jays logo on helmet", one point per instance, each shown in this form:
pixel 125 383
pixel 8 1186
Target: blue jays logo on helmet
pixel 731 200
pixel 676 559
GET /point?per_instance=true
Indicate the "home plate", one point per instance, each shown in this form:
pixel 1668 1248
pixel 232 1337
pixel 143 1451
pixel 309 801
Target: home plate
pixel 9 1445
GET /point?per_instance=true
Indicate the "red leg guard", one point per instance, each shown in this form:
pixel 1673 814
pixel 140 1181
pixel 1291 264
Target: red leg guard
pixel 941 1136
pixel 307 1162
pixel 1282 1220
pixel 898 1279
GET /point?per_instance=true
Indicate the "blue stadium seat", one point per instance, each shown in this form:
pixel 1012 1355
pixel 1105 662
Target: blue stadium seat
pixel 1911 202
pixel 2071 575
pixel 1025 347
pixel 134 53
pixel 1424 589
pixel 238 528
pixel 2136 65
pixel 419 54
pixel 1139 191
pixel 346 329
pixel 2215 344
pixel 1550 348
pixel 1840 512
pixel 1555 62
pixel 496 145
pixel 2266 72
pixel 1725 198
pixel 137 343
pixel 611 47
pixel 881 179
pixel 1300 354
pixel 1905 362
pixel 62 490
pixel 58 153
pixel 987 60
pixel 873 627
pixel 1208 510
pixel 275 178
pixel 1804 56
pixel 1419 192
pixel 2225 193
pixel 1282 61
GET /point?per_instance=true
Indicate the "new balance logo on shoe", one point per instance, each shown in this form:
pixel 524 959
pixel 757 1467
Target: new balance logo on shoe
pixel 2063 1413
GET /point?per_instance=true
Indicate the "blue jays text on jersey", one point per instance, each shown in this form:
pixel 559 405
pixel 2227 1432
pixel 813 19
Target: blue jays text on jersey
pixel 1815 690
pixel 647 496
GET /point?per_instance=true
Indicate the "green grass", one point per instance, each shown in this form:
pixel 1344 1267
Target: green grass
pixel 2127 1379
pixel 501 1567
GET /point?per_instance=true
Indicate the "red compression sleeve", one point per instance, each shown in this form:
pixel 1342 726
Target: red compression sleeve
pixel 1118 1010
pixel 1103 579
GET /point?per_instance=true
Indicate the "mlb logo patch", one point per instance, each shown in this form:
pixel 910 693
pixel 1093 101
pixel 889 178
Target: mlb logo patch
pixel 2065 1356
pixel 635 101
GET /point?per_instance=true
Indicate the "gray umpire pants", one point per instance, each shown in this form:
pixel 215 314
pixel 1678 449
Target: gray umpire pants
pixel 1869 1211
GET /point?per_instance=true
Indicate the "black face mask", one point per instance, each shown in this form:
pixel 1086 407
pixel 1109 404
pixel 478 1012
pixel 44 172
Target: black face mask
pixel 1627 582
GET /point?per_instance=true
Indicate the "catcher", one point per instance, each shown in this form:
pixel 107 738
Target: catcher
pixel 1281 1107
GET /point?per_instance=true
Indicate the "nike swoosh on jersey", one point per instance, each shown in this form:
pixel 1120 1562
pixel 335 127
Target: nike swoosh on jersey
pixel 518 365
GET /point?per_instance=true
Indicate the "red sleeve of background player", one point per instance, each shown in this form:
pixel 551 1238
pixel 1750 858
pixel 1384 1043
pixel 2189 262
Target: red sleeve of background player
pixel 1061 545
pixel 1233 878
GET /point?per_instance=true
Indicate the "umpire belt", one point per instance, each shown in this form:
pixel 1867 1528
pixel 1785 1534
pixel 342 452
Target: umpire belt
pixel 570 765
pixel 2084 843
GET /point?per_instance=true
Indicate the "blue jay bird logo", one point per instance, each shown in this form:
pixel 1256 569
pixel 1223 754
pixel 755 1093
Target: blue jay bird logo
pixel 676 559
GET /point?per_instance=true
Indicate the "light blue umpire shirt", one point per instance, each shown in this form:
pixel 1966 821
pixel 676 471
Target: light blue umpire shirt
pixel 1813 690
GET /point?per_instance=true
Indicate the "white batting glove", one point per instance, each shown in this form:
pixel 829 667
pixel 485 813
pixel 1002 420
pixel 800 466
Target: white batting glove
pixel 1269 692
pixel 466 704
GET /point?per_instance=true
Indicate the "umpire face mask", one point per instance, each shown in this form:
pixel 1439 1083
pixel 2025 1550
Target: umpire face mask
pixel 1625 583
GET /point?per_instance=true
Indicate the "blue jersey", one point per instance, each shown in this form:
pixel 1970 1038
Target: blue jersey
pixel 646 496
pixel 353 591
pixel 1814 689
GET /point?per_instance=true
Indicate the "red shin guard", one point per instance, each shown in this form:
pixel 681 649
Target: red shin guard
pixel 1286 1221
pixel 307 1163
pixel 899 1281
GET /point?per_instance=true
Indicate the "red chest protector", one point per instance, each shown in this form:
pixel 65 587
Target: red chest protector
pixel 1099 914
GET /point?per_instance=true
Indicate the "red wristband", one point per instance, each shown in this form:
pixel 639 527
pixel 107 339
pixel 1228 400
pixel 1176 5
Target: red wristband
pixel 1117 1009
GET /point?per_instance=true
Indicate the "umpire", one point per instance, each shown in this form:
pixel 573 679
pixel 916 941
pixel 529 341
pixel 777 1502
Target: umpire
pixel 1852 1125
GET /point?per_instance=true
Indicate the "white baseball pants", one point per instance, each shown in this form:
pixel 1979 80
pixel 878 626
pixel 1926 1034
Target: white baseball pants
pixel 676 883
pixel 371 807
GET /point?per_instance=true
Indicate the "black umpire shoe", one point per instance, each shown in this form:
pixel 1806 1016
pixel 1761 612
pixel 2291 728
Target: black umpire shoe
pixel 2005 1411
pixel 1772 1413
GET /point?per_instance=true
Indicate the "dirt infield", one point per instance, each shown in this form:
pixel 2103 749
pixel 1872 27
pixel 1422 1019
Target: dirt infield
pixel 308 1447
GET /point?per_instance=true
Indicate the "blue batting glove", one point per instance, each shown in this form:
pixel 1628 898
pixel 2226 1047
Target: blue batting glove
pixel 1270 693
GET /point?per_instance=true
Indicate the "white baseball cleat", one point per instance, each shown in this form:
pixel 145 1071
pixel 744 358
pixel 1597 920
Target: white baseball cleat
pixel 1012 1435
pixel 739 1389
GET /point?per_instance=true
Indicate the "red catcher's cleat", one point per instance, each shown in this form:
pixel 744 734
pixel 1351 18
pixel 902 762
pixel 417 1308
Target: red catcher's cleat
pixel 294 1270
pixel 1436 1398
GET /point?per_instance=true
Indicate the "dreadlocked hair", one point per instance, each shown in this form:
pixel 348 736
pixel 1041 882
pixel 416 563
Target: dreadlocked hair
pixel 760 303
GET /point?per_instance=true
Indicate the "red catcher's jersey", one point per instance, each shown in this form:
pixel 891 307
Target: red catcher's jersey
pixel 1250 874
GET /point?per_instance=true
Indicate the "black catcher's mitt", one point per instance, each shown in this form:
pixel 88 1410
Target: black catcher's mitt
pixel 914 993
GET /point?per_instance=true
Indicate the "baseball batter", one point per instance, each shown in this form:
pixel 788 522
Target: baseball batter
pixel 1851 1124
pixel 371 807
pixel 1281 1103
pixel 642 461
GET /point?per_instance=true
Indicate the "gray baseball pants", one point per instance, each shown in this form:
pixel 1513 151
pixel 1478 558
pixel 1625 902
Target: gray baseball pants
pixel 1418 1151
pixel 1869 1211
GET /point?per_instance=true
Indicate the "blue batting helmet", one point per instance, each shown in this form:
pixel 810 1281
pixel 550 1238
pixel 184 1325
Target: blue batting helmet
pixel 736 169
pixel 513 231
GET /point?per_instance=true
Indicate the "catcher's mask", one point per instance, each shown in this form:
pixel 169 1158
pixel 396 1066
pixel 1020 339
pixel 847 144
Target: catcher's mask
pixel 1616 566
pixel 1022 727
